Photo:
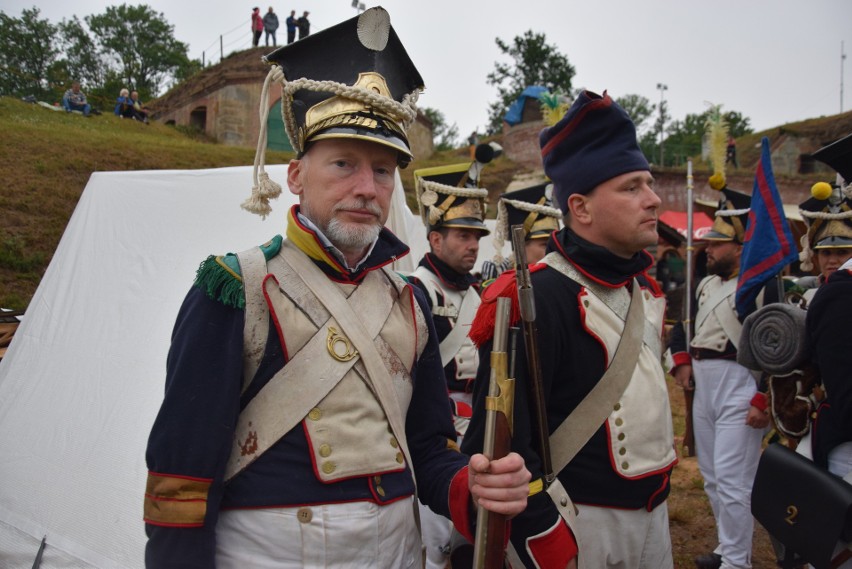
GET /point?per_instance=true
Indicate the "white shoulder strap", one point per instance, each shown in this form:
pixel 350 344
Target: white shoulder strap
pixel 256 327
pixel 451 345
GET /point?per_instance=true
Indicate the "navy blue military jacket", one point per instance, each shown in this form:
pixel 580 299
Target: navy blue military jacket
pixel 192 436
pixel 830 339
pixel 572 362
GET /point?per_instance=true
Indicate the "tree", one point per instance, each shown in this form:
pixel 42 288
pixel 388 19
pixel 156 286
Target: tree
pixel 82 59
pixel 444 136
pixel 738 125
pixel 142 41
pixel 638 108
pixel 26 53
pixel 534 62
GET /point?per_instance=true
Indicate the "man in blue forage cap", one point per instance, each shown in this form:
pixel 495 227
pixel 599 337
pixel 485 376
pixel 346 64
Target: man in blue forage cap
pixel 304 389
pixel 614 450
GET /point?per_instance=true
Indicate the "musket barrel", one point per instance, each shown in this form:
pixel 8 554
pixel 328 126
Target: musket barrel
pixel 526 302
pixel 487 546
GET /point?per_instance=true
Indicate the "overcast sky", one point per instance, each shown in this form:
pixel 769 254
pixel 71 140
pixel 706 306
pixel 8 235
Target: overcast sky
pixel 774 61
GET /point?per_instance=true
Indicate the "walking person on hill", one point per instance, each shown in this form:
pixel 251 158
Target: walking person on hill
pixel 256 26
pixel 270 26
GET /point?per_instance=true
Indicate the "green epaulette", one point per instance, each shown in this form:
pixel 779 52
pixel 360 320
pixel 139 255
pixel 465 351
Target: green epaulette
pixel 220 276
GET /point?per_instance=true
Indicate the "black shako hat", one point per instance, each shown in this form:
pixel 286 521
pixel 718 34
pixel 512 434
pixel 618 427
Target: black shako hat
pixel 352 80
pixel 731 217
pixel 594 142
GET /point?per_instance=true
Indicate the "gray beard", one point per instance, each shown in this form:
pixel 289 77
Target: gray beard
pixel 351 237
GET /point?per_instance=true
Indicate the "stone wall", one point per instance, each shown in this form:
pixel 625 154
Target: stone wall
pixel 520 144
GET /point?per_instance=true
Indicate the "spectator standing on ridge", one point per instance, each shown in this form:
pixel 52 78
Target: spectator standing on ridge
pixel 291 27
pixel 256 26
pixel 304 26
pixel 75 100
pixel 270 25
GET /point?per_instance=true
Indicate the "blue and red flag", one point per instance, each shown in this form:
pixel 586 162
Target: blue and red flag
pixel 769 245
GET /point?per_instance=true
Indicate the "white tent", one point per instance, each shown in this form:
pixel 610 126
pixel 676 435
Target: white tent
pixel 83 379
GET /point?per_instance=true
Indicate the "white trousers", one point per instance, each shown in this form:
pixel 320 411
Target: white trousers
pixel 352 535
pixel 609 538
pixel 728 452
pixel 436 537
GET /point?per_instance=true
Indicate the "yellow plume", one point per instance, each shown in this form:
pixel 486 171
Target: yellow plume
pixel 717 137
pixel 553 107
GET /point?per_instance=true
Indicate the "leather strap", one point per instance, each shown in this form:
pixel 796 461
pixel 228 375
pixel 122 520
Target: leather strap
pixel 256 328
pixel 453 342
pixel 377 377
pixel 576 430
pixel 727 318
pixel 294 390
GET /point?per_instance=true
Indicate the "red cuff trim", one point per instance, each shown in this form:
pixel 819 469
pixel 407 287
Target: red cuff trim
pixel 460 504
pixel 760 401
pixel 681 359
pixel 554 548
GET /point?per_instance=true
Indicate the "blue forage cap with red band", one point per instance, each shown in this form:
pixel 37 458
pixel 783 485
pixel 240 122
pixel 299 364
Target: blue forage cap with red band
pixel 594 142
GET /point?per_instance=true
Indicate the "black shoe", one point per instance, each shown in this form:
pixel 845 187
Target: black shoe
pixel 708 561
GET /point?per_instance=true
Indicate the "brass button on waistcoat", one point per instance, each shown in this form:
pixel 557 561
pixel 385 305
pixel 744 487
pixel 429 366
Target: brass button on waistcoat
pixel 394 443
pixel 328 467
pixel 625 465
pixel 617 407
pixel 325 450
pixel 399 458
pixel 380 491
pixel 622 451
pixel 315 414
pixel 619 422
pixel 621 436
pixel 305 515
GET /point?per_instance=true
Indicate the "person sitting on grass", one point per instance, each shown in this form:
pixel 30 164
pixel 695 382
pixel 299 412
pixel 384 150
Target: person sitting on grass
pixel 141 110
pixel 75 100
pixel 124 105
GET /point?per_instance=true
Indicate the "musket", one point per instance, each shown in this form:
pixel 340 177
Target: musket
pixel 526 303
pixel 688 394
pixel 488 552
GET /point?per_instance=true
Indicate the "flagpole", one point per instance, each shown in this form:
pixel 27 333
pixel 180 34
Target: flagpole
pixel 687 317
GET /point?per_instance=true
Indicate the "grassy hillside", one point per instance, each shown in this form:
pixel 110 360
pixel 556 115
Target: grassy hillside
pixel 48 157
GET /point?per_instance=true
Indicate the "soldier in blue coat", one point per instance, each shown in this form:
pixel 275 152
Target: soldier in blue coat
pixel 305 409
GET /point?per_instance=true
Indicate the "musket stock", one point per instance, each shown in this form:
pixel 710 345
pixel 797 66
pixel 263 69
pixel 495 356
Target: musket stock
pixel 527 308
pixel 490 536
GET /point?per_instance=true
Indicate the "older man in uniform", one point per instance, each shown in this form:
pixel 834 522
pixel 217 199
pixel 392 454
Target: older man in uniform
pixel 304 396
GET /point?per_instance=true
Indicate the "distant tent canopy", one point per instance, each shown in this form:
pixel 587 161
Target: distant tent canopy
pixel 673 225
pixel 276 136
pixel 515 114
